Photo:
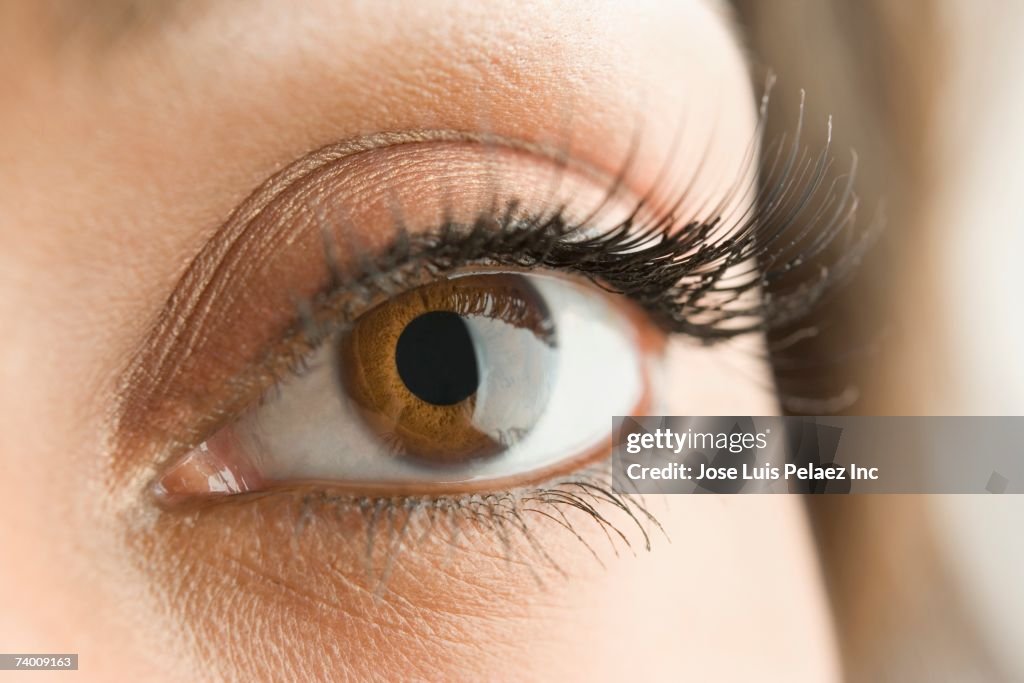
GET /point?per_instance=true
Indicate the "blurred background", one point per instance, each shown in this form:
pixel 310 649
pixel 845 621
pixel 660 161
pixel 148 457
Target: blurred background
pixel 931 96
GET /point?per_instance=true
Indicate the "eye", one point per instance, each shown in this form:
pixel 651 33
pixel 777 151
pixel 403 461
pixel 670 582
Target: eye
pixel 480 379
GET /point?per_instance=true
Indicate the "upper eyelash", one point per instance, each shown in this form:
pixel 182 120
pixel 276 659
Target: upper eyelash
pixel 683 274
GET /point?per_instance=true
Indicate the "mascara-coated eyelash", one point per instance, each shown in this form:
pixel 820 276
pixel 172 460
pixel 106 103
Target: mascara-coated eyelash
pixel 692 277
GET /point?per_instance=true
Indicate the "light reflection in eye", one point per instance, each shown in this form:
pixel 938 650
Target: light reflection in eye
pixel 479 379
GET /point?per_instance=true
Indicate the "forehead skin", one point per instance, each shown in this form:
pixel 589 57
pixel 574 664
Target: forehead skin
pixel 124 146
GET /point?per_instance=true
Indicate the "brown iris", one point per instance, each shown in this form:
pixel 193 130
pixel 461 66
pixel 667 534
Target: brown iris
pixel 452 371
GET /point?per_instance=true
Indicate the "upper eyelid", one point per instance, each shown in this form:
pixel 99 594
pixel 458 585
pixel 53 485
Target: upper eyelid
pixel 210 285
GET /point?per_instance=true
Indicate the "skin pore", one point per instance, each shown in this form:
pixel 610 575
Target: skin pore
pixel 127 145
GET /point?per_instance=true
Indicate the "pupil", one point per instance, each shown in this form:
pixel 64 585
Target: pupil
pixel 436 358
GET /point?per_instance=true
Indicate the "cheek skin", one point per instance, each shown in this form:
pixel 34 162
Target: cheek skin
pixel 441 596
pixel 443 602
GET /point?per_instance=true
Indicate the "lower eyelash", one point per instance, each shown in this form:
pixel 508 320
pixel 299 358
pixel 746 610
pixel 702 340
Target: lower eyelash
pixel 396 524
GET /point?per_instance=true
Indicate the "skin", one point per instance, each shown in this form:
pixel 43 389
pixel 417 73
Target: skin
pixel 125 148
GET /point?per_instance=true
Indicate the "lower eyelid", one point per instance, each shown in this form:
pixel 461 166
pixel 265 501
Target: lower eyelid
pixel 201 478
pixel 280 565
pixel 371 525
